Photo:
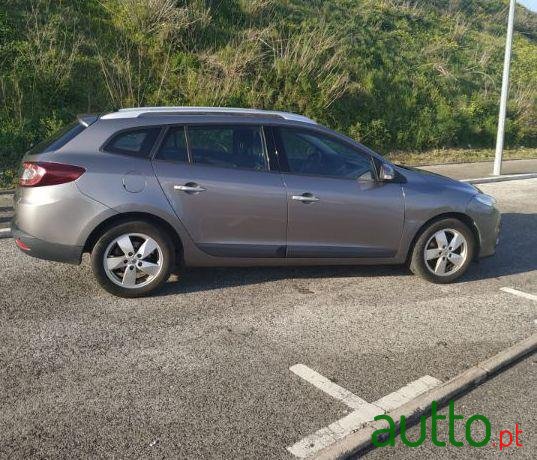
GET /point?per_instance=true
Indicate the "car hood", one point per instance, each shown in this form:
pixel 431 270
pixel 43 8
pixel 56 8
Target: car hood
pixel 437 179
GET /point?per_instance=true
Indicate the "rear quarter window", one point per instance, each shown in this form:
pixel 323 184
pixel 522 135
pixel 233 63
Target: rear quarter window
pixel 135 142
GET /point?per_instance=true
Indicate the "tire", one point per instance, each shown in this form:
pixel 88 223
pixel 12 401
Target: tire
pixel 132 269
pixel 440 264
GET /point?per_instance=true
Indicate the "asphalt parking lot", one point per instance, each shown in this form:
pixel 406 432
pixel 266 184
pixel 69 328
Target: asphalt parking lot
pixel 203 368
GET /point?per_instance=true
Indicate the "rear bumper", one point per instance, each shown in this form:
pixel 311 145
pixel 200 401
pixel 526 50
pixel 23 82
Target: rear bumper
pixel 47 250
pixel 55 221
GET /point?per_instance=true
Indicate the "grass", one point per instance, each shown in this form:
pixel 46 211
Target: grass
pixel 8 178
pixel 444 156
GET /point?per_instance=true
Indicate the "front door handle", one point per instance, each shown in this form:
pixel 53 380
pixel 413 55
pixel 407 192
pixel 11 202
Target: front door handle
pixel 191 187
pixel 305 198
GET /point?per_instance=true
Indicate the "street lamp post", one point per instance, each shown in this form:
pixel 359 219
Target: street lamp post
pixel 505 91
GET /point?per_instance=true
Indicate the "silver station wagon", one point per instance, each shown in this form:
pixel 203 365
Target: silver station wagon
pixel 148 191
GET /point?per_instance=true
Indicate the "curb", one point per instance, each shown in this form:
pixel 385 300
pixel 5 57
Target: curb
pixel 5 233
pixel 504 178
pixel 7 192
pixel 490 162
pixel 361 440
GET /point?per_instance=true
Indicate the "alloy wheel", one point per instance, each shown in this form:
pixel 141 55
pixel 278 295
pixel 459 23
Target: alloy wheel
pixel 133 260
pixel 446 252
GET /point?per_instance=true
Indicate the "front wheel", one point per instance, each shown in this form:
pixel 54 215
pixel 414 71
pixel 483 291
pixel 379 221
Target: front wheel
pixel 132 259
pixel 443 251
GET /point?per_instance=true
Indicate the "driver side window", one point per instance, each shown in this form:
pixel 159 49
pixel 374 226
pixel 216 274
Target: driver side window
pixel 310 153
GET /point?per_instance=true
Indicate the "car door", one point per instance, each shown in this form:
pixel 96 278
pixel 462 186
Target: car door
pixel 218 181
pixel 336 207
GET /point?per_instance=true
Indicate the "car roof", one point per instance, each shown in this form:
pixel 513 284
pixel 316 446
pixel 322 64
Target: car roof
pixel 142 112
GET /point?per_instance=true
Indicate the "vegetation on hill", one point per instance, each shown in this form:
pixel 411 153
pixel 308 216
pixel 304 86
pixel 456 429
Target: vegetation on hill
pixel 394 74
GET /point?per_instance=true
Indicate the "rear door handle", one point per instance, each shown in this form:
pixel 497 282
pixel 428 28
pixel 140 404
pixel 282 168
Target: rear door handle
pixel 191 187
pixel 305 198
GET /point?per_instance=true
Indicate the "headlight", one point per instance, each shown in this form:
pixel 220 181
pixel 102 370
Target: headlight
pixel 487 200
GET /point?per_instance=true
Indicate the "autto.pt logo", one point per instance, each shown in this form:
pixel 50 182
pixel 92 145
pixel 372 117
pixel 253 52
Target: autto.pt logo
pixel 505 439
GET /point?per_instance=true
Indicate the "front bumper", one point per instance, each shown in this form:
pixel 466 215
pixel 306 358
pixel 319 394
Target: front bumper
pixel 47 250
pixel 487 220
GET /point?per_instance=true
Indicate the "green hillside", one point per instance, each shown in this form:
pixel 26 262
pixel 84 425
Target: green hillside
pixel 395 74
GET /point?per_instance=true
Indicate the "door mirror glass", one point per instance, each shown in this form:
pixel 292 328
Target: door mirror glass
pixel 386 173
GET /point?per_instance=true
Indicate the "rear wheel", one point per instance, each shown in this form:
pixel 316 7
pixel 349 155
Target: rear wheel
pixel 443 251
pixel 132 259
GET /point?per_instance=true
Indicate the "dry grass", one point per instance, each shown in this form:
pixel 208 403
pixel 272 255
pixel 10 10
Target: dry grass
pixel 445 156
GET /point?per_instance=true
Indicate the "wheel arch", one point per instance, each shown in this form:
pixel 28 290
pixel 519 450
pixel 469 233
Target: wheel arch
pixel 132 216
pixel 464 218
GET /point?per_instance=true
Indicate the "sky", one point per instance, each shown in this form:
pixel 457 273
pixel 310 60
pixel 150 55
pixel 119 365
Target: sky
pixel 530 4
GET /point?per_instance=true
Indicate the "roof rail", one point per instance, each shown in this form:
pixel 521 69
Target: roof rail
pixel 137 112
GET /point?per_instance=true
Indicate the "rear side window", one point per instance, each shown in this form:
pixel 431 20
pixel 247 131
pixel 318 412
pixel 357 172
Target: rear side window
pixel 173 146
pixel 59 139
pixel 238 147
pixel 136 142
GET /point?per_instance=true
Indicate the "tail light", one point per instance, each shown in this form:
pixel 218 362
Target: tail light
pixel 38 174
pixel 21 245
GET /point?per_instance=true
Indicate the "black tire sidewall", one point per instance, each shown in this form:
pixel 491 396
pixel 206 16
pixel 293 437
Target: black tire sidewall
pixel 417 263
pixel 153 231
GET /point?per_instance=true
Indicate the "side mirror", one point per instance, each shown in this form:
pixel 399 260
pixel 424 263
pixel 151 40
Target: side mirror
pixel 386 172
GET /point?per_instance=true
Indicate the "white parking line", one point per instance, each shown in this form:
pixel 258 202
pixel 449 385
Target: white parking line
pixel 407 393
pixel 333 389
pixel 329 435
pixel 364 412
pixel 519 293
